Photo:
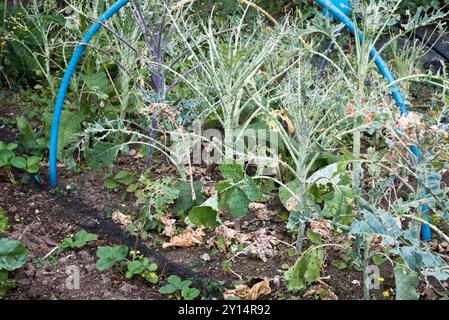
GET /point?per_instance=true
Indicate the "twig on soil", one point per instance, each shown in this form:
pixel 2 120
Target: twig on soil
pixel 23 232
pixel 235 273
pixel 50 253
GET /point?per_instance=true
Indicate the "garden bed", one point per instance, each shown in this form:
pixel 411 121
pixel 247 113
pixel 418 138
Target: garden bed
pixel 41 218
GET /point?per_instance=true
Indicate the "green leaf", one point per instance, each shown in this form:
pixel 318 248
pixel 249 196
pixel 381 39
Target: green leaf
pixel 167 289
pixel 5 157
pixel 222 185
pixel 152 267
pixel 104 252
pixel 97 81
pixel 205 216
pixel 124 177
pixel 378 260
pixel 19 162
pixel 120 253
pixel 406 283
pixel 11 146
pixel 174 280
pixel 190 293
pixel 33 160
pixel 104 263
pixel 237 202
pixel 3 221
pixel 70 124
pixel 380 222
pixel 151 277
pixel 184 284
pixel 184 201
pixel 251 189
pixel 135 267
pixel 33 164
pixel 314 237
pixel 131 188
pixel 110 184
pixel 25 129
pixel 82 237
pixel 110 255
pixel 232 171
pixel 284 194
pixel 305 270
pixel 102 153
pixel 6 283
pixel 66 243
pixel 339 264
pixel 13 254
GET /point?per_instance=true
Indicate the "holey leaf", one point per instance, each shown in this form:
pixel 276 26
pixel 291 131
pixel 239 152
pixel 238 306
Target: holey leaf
pixel 232 171
pixel 406 282
pixel 305 271
pixel 328 174
pixel 379 223
pixel 237 202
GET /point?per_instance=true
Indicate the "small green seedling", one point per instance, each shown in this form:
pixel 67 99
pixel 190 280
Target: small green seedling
pixel 180 289
pixel 79 240
pixel 122 178
pixel 3 221
pixel 8 159
pixel 123 182
pixel 139 265
pixel 13 255
pixel 143 267
pixel 109 256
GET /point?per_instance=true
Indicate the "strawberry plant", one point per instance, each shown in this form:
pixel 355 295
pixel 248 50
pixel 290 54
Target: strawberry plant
pixel 79 240
pixel 138 265
pixel 13 255
pixel 109 256
pixel 180 289
pixel 8 159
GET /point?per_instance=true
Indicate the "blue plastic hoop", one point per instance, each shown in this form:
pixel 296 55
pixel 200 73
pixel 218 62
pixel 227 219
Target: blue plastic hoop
pixel 54 132
pixel 333 7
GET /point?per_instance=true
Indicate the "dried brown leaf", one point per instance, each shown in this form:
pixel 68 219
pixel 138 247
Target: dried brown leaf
pixel 170 229
pixel 245 293
pixel 186 239
pixel 322 227
pixel 121 218
pixel 261 211
pixel 262 245
pixel 322 290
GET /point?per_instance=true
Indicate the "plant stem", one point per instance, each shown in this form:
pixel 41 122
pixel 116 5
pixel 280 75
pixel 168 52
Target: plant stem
pixel 356 138
pixel 5 8
pixel 301 196
pixel 300 236
pixel 366 259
